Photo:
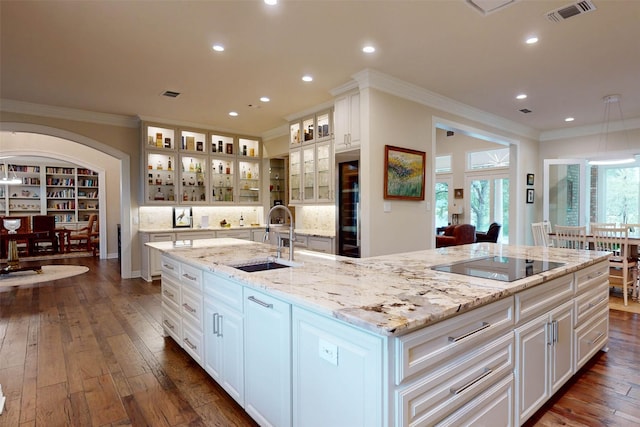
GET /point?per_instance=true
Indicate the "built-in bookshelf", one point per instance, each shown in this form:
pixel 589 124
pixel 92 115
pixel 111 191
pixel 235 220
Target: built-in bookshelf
pixel 69 193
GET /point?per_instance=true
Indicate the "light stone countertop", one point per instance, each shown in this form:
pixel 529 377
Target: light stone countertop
pixel 389 295
pixel 276 227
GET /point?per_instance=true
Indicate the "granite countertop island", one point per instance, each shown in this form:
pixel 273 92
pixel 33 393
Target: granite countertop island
pixel 389 295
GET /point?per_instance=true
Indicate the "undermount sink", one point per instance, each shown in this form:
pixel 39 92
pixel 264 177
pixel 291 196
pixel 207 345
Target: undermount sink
pixel 263 264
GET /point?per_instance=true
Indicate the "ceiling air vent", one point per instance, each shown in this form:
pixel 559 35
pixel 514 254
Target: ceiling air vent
pixel 170 94
pixel 525 110
pixel 570 11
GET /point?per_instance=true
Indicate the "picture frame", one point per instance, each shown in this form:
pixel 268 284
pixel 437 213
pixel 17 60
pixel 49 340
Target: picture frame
pixel 458 193
pixel 182 217
pixel 404 177
pixel 530 179
pixel 530 195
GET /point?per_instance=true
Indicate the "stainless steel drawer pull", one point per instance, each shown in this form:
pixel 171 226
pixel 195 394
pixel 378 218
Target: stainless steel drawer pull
pixel 215 324
pixel 598 274
pixel 262 303
pixel 169 294
pixel 188 308
pixel 168 266
pixel 186 276
pixel 486 372
pixel 598 338
pixel 593 304
pixel 191 346
pixel 169 325
pixel 485 325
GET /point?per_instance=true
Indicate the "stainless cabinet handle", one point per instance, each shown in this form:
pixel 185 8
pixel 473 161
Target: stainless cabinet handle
pixel 215 324
pixel 486 372
pixel 169 325
pixel 188 343
pixel 167 293
pixel 598 338
pixel 598 274
pixel 262 303
pixel 220 318
pixel 168 266
pixel 186 276
pixel 555 331
pixel 485 325
pixel 189 308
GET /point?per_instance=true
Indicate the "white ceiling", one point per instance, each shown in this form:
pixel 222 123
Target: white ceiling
pixel 119 56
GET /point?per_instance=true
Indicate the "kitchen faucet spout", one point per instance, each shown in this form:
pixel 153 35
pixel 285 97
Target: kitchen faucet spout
pixel 291 228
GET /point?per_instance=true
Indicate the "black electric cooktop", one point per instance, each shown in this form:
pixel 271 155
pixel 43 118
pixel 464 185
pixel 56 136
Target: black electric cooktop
pixel 506 269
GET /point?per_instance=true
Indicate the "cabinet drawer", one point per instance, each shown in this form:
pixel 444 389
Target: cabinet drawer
pixel 591 276
pixel 191 276
pixel 196 235
pixel 170 267
pixel 436 396
pixel 170 292
pixel 319 244
pixel 223 290
pixel 235 234
pixel 542 298
pixel 192 342
pixel 590 303
pixel 191 307
pixel 430 346
pixel 171 323
pixel 591 337
pixel 491 408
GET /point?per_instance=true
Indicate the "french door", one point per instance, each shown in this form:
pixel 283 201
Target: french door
pixel 488 201
pixel 565 196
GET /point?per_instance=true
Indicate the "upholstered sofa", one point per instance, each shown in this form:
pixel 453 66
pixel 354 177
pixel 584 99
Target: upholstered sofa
pixel 491 235
pixel 453 235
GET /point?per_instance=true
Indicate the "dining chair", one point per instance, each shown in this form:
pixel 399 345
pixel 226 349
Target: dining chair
pixel 541 231
pixel 623 269
pixel 83 236
pixel 571 237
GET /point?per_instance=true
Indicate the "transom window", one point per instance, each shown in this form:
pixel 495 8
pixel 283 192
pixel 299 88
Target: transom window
pixel 488 159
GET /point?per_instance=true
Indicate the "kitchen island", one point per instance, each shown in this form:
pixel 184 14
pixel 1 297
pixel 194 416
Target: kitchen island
pixel 384 340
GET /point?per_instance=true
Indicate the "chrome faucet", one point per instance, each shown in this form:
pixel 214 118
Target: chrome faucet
pixel 291 227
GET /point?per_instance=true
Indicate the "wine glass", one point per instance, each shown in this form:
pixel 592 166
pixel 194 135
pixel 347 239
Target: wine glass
pixel 11 224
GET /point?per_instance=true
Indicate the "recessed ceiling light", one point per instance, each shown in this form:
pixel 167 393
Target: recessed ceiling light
pixel 233 114
pixel 532 40
pixel 264 99
pixel 569 119
pixel 271 2
pixel 368 49
pixel 218 47
pixel 522 96
pixel 307 78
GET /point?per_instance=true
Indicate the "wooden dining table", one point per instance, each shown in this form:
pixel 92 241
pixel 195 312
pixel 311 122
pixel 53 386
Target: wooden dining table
pixel 30 237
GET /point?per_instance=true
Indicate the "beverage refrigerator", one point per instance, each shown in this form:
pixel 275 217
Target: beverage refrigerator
pixel 348 209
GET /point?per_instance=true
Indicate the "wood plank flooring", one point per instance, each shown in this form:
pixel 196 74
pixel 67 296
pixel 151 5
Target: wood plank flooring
pixel 89 351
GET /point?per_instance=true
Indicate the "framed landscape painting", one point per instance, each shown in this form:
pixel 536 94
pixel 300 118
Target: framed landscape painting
pixel 404 173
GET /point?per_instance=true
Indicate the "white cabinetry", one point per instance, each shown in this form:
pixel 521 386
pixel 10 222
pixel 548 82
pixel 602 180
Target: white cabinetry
pixel 347 122
pixel 442 368
pixel 334 364
pixel 224 334
pixel 267 359
pixel 151 266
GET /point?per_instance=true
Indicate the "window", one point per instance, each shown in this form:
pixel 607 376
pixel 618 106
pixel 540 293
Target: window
pixel 443 164
pixel 618 194
pixel 442 203
pixel 498 158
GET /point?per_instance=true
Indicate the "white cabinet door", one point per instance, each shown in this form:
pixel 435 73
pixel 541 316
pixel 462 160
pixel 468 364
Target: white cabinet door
pixel 347 122
pixel 544 358
pixel 336 373
pixel 267 359
pixel 224 347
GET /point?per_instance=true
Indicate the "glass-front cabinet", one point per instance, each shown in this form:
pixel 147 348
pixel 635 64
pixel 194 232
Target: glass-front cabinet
pixel 315 128
pixel 311 159
pixel 295 192
pixel 186 166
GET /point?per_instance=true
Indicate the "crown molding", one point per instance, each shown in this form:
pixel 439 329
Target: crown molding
pixel 588 130
pixel 192 125
pixel 346 87
pixel 64 113
pixel 369 78
pixel 276 133
pixel 310 111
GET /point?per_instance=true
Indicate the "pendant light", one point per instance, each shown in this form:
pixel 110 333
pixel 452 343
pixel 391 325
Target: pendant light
pixel 14 180
pixel 605 159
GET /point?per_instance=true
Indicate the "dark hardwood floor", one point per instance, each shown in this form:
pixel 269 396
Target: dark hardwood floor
pixel 89 351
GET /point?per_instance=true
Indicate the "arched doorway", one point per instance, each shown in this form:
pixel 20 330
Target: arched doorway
pixel 24 139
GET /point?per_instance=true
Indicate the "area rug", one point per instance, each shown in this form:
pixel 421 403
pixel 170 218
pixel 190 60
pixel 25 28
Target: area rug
pixel 49 273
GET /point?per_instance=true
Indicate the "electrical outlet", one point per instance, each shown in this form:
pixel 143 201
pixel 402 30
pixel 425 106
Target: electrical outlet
pixel 328 352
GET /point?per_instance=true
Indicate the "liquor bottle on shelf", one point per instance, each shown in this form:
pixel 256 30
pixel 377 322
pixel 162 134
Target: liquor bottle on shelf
pixel 171 195
pixel 169 166
pixel 159 195
pixel 185 196
pixel 169 180
pixel 158 180
pixel 241 220
pixel 228 168
pixel 192 167
pixel 220 167
pixel 159 166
